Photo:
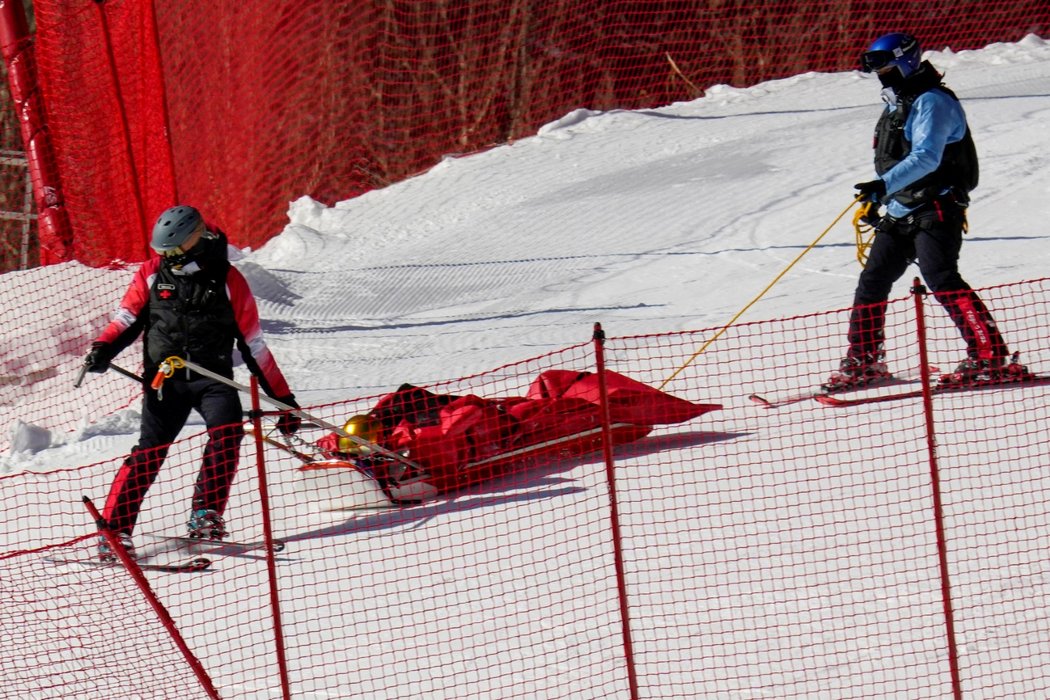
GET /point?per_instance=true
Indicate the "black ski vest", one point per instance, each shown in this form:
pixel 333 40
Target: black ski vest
pixel 190 315
pixel 958 169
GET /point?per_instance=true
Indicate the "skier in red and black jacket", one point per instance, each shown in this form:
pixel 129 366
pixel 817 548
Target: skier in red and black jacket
pixel 188 302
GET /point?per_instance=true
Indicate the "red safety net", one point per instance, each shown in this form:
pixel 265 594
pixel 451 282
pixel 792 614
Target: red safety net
pixel 801 552
pixel 790 553
pixel 239 108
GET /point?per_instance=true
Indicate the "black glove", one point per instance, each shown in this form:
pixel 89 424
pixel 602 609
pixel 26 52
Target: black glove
pixel 99 358
pixel 871 191
pixel 289 423
pixel 869 214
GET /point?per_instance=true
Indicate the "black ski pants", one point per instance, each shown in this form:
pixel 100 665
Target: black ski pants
pixel 932 237
pixel 163 417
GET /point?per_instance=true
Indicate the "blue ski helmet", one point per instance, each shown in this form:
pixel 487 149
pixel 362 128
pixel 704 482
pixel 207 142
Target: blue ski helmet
pixel 897 49
pixel 173 228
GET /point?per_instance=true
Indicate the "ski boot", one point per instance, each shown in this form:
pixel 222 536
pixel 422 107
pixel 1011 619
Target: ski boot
pixel 856 371
pixel 206 524
pixel 974 371
pixel 106 553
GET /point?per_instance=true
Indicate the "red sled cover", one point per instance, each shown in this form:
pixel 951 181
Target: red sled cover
pixel 462 440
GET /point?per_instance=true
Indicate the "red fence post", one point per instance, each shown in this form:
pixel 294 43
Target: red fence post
pixel 53 229
pixel 614 511
pixel 140 580
pixel 271 564
pixel 918 290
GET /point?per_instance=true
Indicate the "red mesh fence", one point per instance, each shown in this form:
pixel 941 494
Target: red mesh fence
pixel 789 553
pixel 47 652
pixel 241 107
pixel 39 341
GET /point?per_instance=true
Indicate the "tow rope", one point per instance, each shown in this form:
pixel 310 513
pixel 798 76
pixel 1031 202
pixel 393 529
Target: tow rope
pixel 864 229
pixel 751 303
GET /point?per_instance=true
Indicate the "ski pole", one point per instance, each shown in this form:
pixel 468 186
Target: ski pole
pixel 167 368
pixel 126 373
pixel 287 448
pixel 115 368
pixel 751 303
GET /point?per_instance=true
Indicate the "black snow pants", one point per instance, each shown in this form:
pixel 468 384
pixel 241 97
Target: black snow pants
pixel 932 237
pixel 162 419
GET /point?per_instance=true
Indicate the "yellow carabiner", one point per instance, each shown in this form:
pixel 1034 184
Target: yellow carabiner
pixel 171 364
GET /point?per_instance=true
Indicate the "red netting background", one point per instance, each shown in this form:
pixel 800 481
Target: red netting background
pixel 240 108
pixel 788 553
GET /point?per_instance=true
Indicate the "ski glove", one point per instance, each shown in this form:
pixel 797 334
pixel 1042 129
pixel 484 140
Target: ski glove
pixel 289 423
pixel 871 191
pixel 99 358
pixel 869 214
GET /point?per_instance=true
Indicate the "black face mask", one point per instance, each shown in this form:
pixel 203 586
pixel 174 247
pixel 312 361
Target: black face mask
pixel 892 79
pixel 203 253
pixel 177 262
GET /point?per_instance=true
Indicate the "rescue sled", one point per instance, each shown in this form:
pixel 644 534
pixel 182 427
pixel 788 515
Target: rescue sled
pixel 445 442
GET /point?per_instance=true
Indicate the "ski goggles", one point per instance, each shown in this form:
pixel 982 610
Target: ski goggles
pixel 874 61
pixel 172 252
pixel 185 246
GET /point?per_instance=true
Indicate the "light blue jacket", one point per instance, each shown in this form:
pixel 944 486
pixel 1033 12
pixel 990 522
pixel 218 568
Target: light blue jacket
pixel 935 120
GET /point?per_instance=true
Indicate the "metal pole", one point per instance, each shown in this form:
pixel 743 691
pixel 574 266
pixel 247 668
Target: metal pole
pixel 166 369
pixel 115 368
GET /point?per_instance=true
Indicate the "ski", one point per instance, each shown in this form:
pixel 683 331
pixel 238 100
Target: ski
pixel 178 566
pixel 1029 380
pixel 378 507
pixel 907 377
pixel 209 546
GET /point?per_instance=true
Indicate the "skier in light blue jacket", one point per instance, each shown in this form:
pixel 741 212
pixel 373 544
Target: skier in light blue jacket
pixel 926 165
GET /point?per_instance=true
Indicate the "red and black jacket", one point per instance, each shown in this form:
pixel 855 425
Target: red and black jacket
pixel 199 313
